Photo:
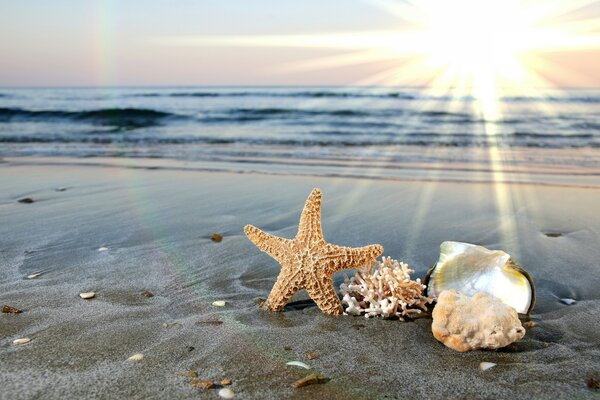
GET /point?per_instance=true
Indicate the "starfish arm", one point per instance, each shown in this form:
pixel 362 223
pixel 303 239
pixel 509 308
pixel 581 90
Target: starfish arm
pixel 309 229
pixel 275 246
pixel 323 293
pixel 337 258
pixel 283 290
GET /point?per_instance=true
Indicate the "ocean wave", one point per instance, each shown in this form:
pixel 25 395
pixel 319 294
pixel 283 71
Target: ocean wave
pixel 522 139
pixel 118 117
pixel 401 95
pixel 291 94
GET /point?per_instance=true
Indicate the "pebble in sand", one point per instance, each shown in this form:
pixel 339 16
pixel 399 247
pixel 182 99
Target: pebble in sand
pixel 87 295
pixel 22 341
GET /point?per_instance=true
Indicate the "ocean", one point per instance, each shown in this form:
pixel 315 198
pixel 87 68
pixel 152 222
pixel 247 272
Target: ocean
pixel 282 125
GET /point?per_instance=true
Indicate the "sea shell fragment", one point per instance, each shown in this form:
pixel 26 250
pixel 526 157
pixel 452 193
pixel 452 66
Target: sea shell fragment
pixel 297 364
pixel 226 393
pixel 87 295
pixel 22 341
pixel 136 357
pixel 469 269
pixel 484 366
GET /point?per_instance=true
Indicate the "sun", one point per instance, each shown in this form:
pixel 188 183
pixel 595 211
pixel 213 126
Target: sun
pixel 474 36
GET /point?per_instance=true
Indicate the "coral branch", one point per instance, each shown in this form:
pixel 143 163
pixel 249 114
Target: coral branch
pixel 384 289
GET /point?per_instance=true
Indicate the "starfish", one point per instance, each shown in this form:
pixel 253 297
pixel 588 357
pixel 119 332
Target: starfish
pixel 308 261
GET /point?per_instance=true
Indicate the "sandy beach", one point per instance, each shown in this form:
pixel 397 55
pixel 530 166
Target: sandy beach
pixel 156 221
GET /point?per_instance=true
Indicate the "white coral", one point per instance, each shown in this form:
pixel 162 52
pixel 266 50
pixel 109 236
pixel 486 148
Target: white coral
pixel 385 289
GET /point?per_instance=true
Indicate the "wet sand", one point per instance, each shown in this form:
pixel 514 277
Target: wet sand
pixel 157 225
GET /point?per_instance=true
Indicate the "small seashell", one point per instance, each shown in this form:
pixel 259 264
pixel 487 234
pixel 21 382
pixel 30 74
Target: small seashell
pixel 568 301
pixel 216 237
pixel 147 293
pixel 312 356
pixel 10 310
pixel 225 382
pixel 61 189
pixel 87 295
pixel 226 393
pixel 219 303
pixel 309 380
pixel 33 276
pixel 22 341
pixel 202 383
pixel 103 248
pixel 484 366
pixel 298 364
pixel 136 357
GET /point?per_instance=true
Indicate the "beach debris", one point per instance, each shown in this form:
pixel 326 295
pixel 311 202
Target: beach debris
pixel 553 234
pixel 136 357
pixel 33 276
pixel 215 237
pixel 147 293
pixel 202 383
pixel 568 301
pixel 87 295
pixel 311 379
pixel 297 364
pixel 24 340
pixel 219 303
pixel 312 356
pixel 172 324
pixel 190 374
pixel 226 393
pixel 530 324
pixel 103 248
pixel 384 289
pixel 26 200
pixel 226 382
pixel 6 309
pixel 469 269
pixel 308 261
pixel 466 323
pixel 287 348
pixel 484 366
pixel 61 189
pixel 592 383
pixel 210 322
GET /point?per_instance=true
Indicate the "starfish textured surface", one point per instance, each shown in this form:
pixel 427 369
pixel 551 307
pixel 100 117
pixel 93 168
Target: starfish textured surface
pixel 308 261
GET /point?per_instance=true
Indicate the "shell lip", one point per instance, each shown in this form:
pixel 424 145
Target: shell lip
pixel 511 263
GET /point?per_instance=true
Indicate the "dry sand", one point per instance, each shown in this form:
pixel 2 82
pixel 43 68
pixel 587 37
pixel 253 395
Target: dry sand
pixel 157 226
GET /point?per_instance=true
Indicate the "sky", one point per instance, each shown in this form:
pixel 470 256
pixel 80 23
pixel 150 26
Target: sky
pixel 265 42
